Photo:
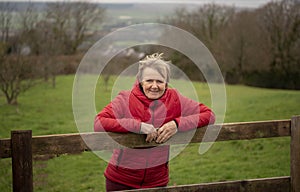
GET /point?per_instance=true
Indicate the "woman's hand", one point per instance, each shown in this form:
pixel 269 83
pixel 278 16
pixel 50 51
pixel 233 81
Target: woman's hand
pixel 166 132
pixel 149 130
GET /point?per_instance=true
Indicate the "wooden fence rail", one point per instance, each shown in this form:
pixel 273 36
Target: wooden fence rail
pixel 22 146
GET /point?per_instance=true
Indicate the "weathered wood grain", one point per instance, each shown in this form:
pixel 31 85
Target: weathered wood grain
pixel 5 148
pixel 22 146
pixel 76 143
pixel 295 154
pixel 278 184
pixel 22 161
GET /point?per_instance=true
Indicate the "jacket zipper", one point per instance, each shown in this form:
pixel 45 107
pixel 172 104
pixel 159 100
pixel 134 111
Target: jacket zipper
pixel 152 116
pixel 119 158
pixel 145 171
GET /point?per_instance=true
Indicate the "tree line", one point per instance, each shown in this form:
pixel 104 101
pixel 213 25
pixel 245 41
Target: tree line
pixel 258 47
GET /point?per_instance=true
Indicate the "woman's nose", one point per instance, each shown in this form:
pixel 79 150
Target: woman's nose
pixel 154 84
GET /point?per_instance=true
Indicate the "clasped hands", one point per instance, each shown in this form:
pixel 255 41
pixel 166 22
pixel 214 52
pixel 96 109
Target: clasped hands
pixel 161 134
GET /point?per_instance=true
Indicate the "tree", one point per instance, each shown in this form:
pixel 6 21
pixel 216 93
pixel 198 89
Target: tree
pixel 280 23
pixel 48 52
pixel 28 20
pixel 71 23
pixel 242 47
pixel 257 47
pixel 16 74
pixel 6 16
pixel 207 23
pixel 84 17
pixel 65 27
pixel 17 68
pixel 57 23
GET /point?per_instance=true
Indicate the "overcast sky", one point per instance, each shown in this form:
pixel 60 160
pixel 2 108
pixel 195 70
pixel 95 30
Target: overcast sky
pixel 238 3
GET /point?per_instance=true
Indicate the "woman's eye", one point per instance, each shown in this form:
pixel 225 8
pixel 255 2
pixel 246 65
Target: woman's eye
pixel 150 81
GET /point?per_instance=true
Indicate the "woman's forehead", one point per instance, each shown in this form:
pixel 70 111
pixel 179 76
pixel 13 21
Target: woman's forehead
pixel 150 73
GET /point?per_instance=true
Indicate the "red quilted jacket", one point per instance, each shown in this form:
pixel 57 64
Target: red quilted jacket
pixel 145 168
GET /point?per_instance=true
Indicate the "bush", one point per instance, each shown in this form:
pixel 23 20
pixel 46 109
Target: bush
pixel 272 79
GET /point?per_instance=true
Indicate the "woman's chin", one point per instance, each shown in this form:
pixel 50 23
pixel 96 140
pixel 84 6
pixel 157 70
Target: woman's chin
pixel 153 96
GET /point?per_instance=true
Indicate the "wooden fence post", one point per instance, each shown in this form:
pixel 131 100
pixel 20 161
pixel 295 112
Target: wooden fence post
pixel 21 153
pixel 295 154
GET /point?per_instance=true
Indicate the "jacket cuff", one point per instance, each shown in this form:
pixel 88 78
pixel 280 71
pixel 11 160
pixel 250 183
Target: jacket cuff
pixel 177 123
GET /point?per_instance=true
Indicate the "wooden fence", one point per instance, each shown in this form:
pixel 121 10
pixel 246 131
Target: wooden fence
pixel 21 147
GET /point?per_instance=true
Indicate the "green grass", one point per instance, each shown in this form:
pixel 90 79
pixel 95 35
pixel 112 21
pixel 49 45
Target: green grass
pixel 43 109
pixel 232 160
pixel 49 111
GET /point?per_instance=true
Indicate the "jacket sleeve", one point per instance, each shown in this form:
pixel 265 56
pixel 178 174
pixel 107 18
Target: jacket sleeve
pixel 113 119
pixel 193 114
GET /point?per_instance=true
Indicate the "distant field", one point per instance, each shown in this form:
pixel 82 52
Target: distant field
pixel 139 12
pixel 49 111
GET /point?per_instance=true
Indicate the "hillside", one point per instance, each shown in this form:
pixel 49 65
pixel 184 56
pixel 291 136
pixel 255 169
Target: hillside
pixel 45 110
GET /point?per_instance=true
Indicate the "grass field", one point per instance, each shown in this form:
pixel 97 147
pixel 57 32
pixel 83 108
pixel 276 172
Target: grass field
pixel 49 111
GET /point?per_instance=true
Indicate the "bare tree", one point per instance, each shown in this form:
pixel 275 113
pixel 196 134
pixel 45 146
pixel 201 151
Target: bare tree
pixel 281 27
pixel 65 27
pixel 48 52
pixel 28 20
pixel 72 23
pixel 258 45
pixel 242 47
pixel 58 21
pixel 16 75
pixel 17 68
pixel 206 23
pixel 84 17
pixel 6 17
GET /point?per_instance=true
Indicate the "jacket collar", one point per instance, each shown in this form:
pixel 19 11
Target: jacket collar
pixel 137 91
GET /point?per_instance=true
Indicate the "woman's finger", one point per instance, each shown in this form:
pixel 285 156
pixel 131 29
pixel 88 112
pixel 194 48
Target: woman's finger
pixel 151 136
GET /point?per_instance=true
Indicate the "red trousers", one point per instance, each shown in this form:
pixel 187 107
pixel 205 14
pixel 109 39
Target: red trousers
pixel 113 186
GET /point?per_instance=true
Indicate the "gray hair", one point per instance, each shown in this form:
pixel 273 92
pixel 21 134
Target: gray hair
pixel 156 62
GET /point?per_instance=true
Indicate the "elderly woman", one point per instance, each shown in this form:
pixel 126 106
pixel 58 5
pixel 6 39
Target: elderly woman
pixel 153 109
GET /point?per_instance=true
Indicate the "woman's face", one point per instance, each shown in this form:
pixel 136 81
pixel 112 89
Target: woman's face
pixel 154 85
